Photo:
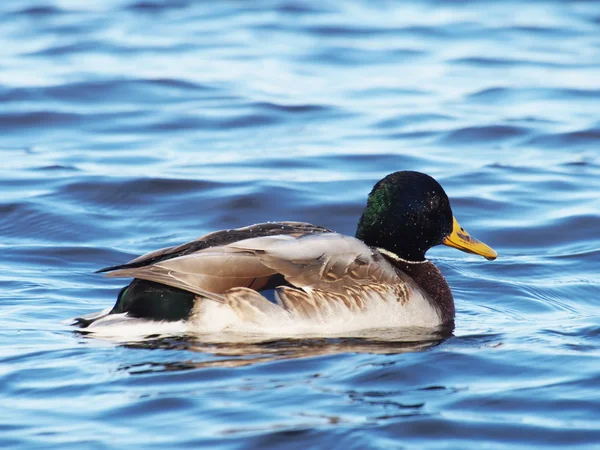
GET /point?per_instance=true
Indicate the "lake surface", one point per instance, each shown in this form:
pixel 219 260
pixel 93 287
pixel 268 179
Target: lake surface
pixel 129 126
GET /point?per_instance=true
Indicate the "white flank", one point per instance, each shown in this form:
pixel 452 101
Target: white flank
pixel 222 323
pixel 215 317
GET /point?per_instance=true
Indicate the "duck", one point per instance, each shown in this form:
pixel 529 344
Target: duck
pixel 296 277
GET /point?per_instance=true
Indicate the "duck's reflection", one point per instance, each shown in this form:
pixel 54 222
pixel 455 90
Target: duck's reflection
pixel 238 350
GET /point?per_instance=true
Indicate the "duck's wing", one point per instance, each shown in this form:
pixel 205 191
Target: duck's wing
pixel 208 267
pixel 218 239
pixel 329 262
pixel 208 272
pixel 320 269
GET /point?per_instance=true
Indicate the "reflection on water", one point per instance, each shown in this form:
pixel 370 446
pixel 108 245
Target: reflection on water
pixel 234 350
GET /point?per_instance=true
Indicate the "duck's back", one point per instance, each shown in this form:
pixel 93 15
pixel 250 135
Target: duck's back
pixel 221 238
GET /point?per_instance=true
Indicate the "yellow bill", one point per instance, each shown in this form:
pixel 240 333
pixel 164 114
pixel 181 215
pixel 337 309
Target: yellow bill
pixel 460 239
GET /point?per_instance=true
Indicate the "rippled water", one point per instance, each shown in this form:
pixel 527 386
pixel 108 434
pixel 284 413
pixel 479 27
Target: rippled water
pixel 128 126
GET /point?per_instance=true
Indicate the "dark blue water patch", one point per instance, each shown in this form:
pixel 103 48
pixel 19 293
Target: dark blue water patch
pixel 64 126
pixel 292 109
pixel 19 185
pixel 545 298
pixel 37 222
pixel 342 55
pixel 413 135
pixel 544 31
pixel 503 433
pixel 26 381
pixel 476 206
pixel 520 273
pixel 58 28
pixel 516 95
pixel 507 169
pixel 411 119
pixel 154 7
pixel 528 121
pixel 103 47
pixel 416 372
pixel 85 47
pixel 495 94
pixel 548 234
pixel 369 162
pixel 242 121
pixel 194 205
pixel 56 168
pixel 254 201
pixel 114 90
pixel 512 404
pixel 368 93
pixel 269 203
pixel 584 255
pixel 151 408
pixel 488 134
pixel 171 378
pixel 208 13
pixel 114 192
pixel 55 255
pixel 454 30
pixel 10 442
pixel 488 61
pixel 179 122
pixel 494 63
pixel 291 436
pixel 586 139
pixel 587 331
pixel 274 162
pixel 129 154
pixel 37 119
pixel 582 161
pixel 339 218
pixel 559 184
pixel 300 8
pixel 39 11
pixel 328 30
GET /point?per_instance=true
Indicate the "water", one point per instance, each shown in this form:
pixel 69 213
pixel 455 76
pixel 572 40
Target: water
pixel 132 125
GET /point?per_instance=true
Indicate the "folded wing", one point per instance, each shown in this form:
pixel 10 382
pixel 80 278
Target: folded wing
pixel 318 269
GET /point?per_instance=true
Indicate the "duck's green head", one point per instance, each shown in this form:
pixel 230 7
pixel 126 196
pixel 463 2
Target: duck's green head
pixel 407 213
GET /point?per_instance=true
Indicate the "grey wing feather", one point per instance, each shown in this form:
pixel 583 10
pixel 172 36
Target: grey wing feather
pixel 331 262
pixel 175 279
pixel 212 271
pixel 219 239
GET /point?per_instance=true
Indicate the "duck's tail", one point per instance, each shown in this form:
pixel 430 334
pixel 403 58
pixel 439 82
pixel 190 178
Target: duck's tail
pixel 146 300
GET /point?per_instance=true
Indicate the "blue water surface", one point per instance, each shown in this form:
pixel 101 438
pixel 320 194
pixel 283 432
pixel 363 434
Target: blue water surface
pixel 129 125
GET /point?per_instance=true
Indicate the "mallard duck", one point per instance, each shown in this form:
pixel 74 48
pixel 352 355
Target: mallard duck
pixel 295 276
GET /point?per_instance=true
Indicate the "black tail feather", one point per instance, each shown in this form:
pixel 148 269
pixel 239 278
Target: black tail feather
pixel 154 301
